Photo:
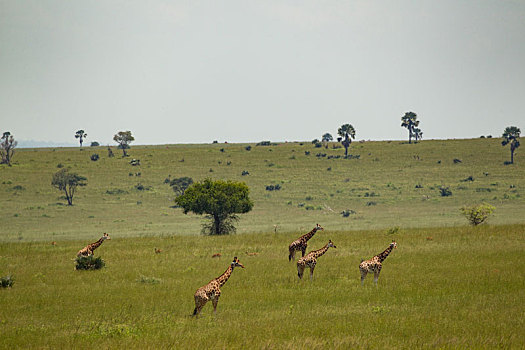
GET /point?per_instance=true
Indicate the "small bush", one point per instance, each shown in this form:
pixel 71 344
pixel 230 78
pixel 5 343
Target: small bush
pixel 264 143
pixel 244 173
pixel 89 263
pixel 445 191
pixel 60 165
pixel 141 187
pixel 470 178
pixel 248 148
pixel 7 281
pixel 347 212
pixel 95 144
pixel 276 187
pixel 393 230
pixel 477 214
pixel 95 157
pixel 370 204
pixel 306 153
pixel 134 162
pixel 456 160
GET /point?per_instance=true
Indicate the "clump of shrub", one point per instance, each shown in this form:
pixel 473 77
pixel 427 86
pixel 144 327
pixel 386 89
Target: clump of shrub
pixel 275 187
pixel 347 212
pixel 456 160
pixel 370 204
pixel 244 173
pixel 89 263
pixel 477 214
pixel 95 144
pixel 7 281
pixel 445 191
pixel 248 148
pixel 470 178
pixel 393 230
pixel 264 143
pixel 95 157
pixel 134 162
pixel 306 153
pixel 141 187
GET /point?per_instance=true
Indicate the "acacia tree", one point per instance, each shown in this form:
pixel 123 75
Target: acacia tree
pixel 409 121
pixel 220 200
pixel 68 182
pixel 327 138
pixel 181 184
pixel 511 136
pixel 7 148
pixel 80 134
pixel 346 133
pixel 418 134
pixel 123 138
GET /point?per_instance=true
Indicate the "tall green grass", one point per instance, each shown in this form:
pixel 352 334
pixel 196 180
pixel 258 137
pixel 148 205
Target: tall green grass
pixel 457 287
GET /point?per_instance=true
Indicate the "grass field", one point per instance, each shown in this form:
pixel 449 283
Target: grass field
pixel 444 288
pixel 380 187
pixel 447 285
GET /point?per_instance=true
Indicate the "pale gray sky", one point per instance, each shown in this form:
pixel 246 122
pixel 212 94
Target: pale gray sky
pixel 246 71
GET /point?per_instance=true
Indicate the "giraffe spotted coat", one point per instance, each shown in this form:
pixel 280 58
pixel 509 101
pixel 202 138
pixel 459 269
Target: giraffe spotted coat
pixel 301 243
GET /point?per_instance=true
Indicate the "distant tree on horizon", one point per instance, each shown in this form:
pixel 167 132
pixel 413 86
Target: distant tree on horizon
pixel 124 138
pixel 418 134
pixel 409 121
pixel 326 139
pixel 511 136
pixel 7 148
pixel 68 182
pixel 346 133
pixel 80 134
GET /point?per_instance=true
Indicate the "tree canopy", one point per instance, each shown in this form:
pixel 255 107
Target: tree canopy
pixel 7 148
pixel 123 138
pixel 220 200
pixel 511 135
pixel 409 121
pixel 80 134
pixel 347 133
pixel 68 182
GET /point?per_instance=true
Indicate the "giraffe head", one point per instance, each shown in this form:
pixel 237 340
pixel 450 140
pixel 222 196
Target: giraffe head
pixel 236 263
pixel 393 244
pixel 318 227
pixel 106 236
pixel 331 244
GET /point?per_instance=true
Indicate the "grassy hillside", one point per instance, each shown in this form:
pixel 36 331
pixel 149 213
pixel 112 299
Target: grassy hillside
pixel 378 185
pixel 441 288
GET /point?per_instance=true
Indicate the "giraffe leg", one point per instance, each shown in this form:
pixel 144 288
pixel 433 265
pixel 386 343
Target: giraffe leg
pixel 364 272
pixel 215 301
pixel 312 272
pixel 300 270
pixel 199 304
pixel 376 273
pixel 303 250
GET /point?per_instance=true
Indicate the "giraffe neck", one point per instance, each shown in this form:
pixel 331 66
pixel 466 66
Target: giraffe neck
pixel 318 253
pixel 97 243
pixel 385 253
pixel 224 277
pixel 310 234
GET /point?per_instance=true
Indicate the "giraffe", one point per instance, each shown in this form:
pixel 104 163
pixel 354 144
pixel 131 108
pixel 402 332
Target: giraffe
pixel 375 264
pixel 88 250
pixel 301 242
pixel 310 260
pixel 213 289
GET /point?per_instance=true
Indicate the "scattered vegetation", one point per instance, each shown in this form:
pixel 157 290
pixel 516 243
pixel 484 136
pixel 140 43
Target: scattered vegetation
pixel 68 182
pixel 477 214
pixel 7 281
pixel 89 263
pixel 95 157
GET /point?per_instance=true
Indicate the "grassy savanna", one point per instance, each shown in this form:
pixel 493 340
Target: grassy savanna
pixel 447 285
pixel 391 184
pixel 442 287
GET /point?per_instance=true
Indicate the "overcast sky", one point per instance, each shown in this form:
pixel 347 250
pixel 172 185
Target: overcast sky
pixel 247 71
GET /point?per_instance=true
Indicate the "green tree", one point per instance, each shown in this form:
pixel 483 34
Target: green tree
pixel 418 134
pixel 7 148
pixel 346 133
pixel 409 121
pixel 181 184
pixel 326 139
pixel 477 214
pixel 220 200
pixel 511 135
pixel 123 138
pixel 80 134
pixel 68 182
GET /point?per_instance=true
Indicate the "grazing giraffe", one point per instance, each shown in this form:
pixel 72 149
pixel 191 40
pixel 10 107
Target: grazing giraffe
pixel 310 260
pixel 302 242
pixel 375 264
pixel 213 289
pixel 88 250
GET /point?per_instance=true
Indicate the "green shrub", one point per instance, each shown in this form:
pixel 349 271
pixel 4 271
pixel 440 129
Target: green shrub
pixel 89 263
pixel 7 281
pixel 445 191
pixel 477 214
